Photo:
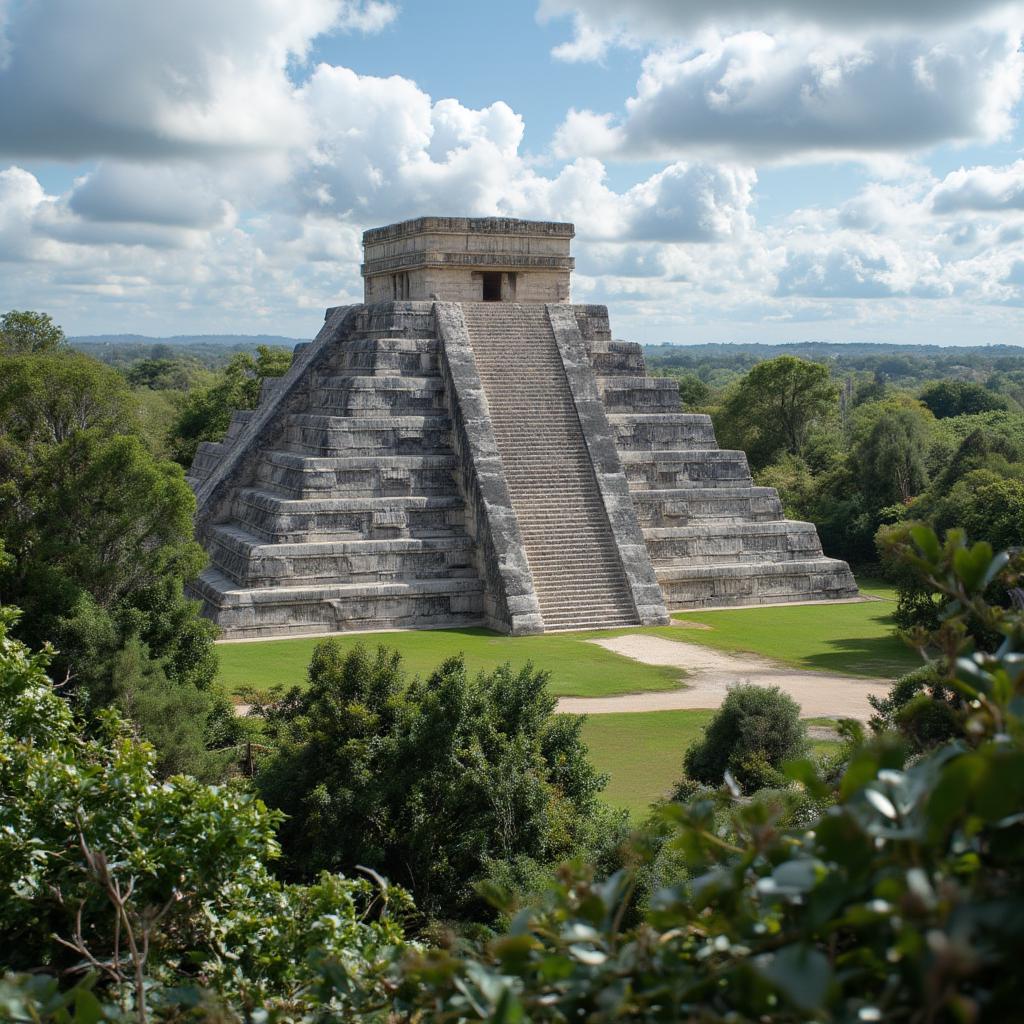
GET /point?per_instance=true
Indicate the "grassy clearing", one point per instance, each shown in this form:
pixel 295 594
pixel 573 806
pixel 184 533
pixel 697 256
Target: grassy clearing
pixel 578 668
pixel 642 753
pixel 851 638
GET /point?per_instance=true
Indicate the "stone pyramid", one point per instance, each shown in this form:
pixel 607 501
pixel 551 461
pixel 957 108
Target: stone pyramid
pixel 469 448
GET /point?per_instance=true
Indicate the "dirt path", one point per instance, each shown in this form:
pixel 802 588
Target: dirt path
pixel 711 672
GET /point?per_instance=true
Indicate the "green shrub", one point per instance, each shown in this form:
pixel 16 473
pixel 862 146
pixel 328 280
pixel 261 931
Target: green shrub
pixel 141 887
pixel 756 730
pixel 429 781
pixel 920 707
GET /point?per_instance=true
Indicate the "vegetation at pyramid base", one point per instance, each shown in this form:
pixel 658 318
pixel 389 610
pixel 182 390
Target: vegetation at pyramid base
pixel 887 886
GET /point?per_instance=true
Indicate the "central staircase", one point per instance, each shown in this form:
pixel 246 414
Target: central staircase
pixel 572 554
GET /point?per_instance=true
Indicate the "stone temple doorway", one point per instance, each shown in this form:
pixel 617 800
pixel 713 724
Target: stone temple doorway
pixel 492 285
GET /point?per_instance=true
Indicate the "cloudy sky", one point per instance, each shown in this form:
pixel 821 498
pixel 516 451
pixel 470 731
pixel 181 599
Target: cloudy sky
pixel 748 170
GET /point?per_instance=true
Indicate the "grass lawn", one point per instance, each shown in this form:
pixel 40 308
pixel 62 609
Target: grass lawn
pixel 852 638
pixel 578 668
pixel 643 752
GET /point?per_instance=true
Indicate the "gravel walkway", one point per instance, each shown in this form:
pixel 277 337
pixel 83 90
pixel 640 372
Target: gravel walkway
pixel 711 672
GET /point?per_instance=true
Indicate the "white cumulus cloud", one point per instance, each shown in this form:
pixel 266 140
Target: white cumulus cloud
pixel 759 96
pixel 980 188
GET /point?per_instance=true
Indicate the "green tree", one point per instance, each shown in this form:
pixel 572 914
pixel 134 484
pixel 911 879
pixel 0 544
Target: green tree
pixel 960 398
pixel 163 374
pixel 101 539
pixel 206 413
pixel 45 399
pixel 428 781
pixel 23 332
pixel 892 457
pixel 984 504
pixel 775 406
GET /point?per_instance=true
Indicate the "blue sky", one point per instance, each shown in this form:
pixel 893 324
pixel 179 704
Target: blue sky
pixel 737 170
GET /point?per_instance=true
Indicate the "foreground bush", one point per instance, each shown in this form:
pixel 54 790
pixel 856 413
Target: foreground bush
pixel 140 887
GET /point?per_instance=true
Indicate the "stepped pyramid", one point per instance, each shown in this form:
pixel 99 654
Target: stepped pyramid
pixel 469 448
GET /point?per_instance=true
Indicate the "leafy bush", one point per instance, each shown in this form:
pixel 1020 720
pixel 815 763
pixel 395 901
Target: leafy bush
pixel 920 707
pixel 429 782
pixel 142 887
pixel 756 730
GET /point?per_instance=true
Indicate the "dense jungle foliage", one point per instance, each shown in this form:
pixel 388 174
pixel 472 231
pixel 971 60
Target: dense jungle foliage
pixel 861 437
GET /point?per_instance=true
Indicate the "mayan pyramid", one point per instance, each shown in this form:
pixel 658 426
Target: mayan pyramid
pixel 467 447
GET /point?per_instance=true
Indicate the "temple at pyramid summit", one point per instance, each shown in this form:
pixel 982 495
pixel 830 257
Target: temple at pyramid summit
pixel 469 447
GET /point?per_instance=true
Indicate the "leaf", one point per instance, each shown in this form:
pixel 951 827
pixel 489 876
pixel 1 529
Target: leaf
pixel 801 974
pixel 587 954
pixel 924 537
pixel 87 1007
pixel 881 803
pixel 792 877
pixel 997 565
pixel 972 564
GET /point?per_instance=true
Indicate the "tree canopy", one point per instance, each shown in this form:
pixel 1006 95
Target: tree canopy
pixel 101 542
pixel 960 398
pixel 206 412
pixel 23 332
pixel 775 406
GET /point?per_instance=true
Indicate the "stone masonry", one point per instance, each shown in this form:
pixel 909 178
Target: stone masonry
pixel 469 448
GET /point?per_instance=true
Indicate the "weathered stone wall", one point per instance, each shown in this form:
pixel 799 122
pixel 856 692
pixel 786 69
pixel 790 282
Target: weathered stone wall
pixel 443 257
pixel 463 284
pixel 713 537
pixel 611 480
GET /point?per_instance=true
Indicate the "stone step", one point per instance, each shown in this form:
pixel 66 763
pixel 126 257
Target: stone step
pixel 279 519
pixel 727 543
pixel 250 562
pixel 717 584
pixel 410 320
pixel 622 394
pixel 683 505
pixel 703 468
pixel 304 476
pixel 389 356
pixel 291 611
pixel 239 419
pixel 378 395
pixel 318 434
pixel 677 431
pixel 618 359
pixel 207 458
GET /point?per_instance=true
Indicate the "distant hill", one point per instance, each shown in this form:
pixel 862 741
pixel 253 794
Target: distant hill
pixel 819 350
pixel 246 341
